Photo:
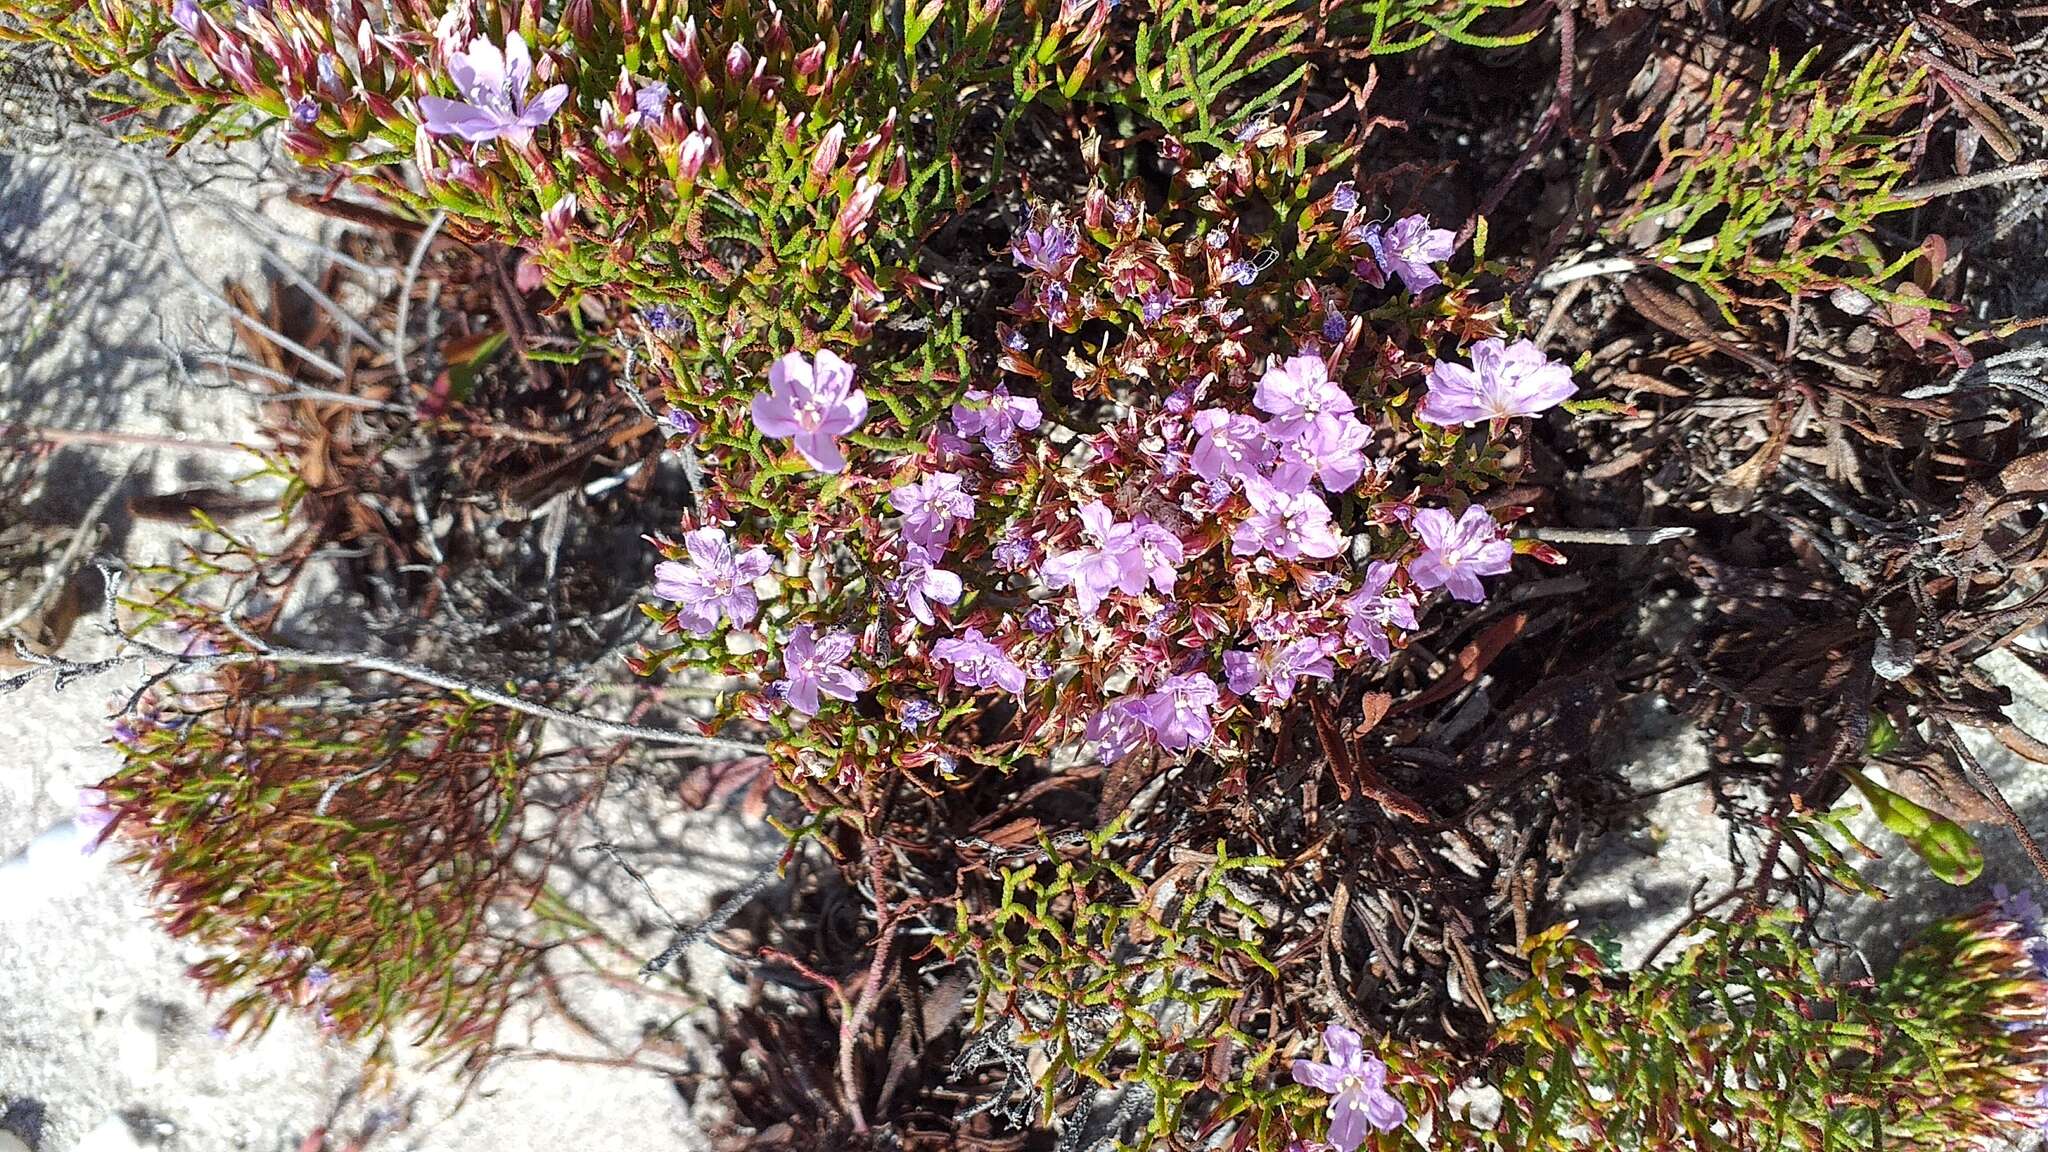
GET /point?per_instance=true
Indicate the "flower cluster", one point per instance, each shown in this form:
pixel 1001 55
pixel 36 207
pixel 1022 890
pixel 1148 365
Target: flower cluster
pixel 1149 541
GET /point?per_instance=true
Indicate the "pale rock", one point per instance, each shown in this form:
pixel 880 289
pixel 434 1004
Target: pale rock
pixel 113 1135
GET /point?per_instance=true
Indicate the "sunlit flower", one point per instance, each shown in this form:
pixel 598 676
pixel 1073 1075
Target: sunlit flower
pixel 978 663
pixel 921 585
pixel 715 583
pixel 1048 250
pixel 1268 673
pixel 815 666
pixel 1295 393
pixel 1372 612
pixel 1178 713
pixel 1119 729
pixel 1229 445
pixel 1410 248
pixel 1287 524
pixel 1330 449
pixel 811 405
pixel 494 103
pixel 1125 557
pixel 995 417
pixel 1456 552
pixel 1504 381
pixel 931 507
pixel 1356 1082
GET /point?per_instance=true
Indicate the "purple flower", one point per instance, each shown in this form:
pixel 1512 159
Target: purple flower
pixel 1371 613
pixel 185 14
pixel 92 817
pixel 1287 524
pixel 661 318
pixel 977 663
pixel 1157 301
pixel 1052 300
pixel 1330 449
pixel 815 665
pixel 1505 380
pixel 921 585
pixel 1335 325
pixel 1178 713
pixel 1457 552
pixel 494 103
pixel 714 583
pixel 1269 673
pixel 1120 729
pixel 1012 553
pixel 305 111
pixel 811 405
pixel 916 714
pixel 1228 445
pixel 995 417
pixel 1295 393
pixel 651 100
pixel 1344 197
pixel 1357 1085
pixel 1121 557
pixel 1039 620
pixel 680 422
pixel 930 506
pixel 1049 250
pixel 1410 247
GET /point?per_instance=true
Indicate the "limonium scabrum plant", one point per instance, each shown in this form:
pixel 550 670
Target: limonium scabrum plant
pixel 1209 467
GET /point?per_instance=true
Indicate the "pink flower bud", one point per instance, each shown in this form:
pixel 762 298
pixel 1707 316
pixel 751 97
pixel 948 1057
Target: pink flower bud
pixel 810 59
pixel 555 222
pixel 899 173
pixel 685 50
pixel 826 158
pixel 853 216
pixel 690 161
pixel 738 61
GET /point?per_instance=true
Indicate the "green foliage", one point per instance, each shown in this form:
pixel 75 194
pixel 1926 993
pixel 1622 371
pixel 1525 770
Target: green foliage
pixel 1786 197
pixel 1785 187
pixel 1191 58
pixel 1744 1044
pixel 1120 980
pixel 346 860
pixel 1407 25
pixel 1946 846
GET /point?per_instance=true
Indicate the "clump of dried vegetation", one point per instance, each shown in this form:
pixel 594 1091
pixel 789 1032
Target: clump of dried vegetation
pixel 1791 249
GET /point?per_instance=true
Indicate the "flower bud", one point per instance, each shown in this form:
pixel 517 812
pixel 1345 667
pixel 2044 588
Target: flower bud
pixel 738 61
pixel 686 50
pixel 555 222
pixel 696 150
pixel 853 215
pixel 810 59
pixel 826 158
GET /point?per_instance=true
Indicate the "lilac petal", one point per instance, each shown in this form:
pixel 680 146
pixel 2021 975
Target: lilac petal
pixel 1348 1122
pixel 1321 1077
pixel 1384 1112
pixel 821 450
pixel 518 64
pixel 802 695
pixel 849 415
pixel 1343 1045
pixel 772 415
pixel 544 106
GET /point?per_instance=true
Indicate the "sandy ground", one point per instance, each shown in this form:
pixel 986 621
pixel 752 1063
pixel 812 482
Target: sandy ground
pixel 104 1044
